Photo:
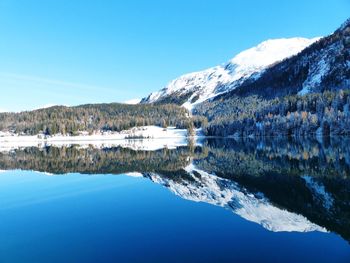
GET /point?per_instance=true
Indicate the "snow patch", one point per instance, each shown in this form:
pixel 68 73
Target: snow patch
pixel 314 77
pixel 134 174
pixel 138 138
pixel 132 101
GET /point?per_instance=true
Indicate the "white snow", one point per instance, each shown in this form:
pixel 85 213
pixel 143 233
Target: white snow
pixel 319 67
pixel 132 101
pixel 315 76
pixel 138 138
pixel 305 90
pixel 228 194
pixel 249 63
pixel 134 174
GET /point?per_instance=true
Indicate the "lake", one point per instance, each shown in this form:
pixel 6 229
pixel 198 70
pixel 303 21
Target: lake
pixel 220 200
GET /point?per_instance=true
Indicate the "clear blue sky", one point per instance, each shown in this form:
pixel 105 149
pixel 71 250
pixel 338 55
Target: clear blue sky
pixel 73 52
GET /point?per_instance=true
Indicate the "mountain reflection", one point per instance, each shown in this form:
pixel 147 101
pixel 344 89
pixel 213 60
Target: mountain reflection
pixel 283 185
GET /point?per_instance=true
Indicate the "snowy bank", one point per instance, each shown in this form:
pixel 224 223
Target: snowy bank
pixel 137 138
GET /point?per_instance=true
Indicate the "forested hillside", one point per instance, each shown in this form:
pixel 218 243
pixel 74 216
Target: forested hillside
pixel 93 117
pixel 326 113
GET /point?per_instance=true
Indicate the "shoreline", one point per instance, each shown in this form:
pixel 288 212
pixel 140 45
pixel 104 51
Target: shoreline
pixel 148 138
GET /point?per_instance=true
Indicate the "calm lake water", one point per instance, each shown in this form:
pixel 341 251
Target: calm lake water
pixel 223 201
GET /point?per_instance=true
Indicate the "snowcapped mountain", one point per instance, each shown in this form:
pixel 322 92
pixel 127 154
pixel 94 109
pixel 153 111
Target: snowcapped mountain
pixel 208 188
pixel 324 65
pixel 194 88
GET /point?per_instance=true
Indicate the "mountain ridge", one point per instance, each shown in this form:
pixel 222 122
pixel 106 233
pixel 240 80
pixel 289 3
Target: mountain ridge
pixel 193 88
pixel 324 65
pixel 274 68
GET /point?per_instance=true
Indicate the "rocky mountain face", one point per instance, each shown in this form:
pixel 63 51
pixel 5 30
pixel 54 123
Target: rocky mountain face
pixel 194 88
pixel 324 65
pixel 272 69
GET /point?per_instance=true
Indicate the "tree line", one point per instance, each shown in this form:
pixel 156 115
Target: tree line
pixel 94 117
pixel 323 114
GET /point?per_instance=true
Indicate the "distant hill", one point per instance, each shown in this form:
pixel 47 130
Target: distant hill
pixel 93 117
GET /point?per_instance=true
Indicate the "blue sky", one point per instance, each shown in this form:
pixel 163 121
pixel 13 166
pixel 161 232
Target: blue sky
pixel 82 51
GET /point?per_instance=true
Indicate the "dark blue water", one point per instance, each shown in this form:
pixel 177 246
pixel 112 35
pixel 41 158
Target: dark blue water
pixel 118 218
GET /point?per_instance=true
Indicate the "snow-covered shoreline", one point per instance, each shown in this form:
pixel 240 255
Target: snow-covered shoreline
pixel 137 138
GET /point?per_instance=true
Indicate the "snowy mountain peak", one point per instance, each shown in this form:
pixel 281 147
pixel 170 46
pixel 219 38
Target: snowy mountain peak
pixel 269 52
pixel 214 190
pixel 193 88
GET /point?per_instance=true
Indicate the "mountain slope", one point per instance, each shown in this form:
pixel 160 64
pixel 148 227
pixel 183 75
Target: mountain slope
pixel 324 65
pixel 194 88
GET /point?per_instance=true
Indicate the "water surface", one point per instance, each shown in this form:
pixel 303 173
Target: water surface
pixel 224 201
